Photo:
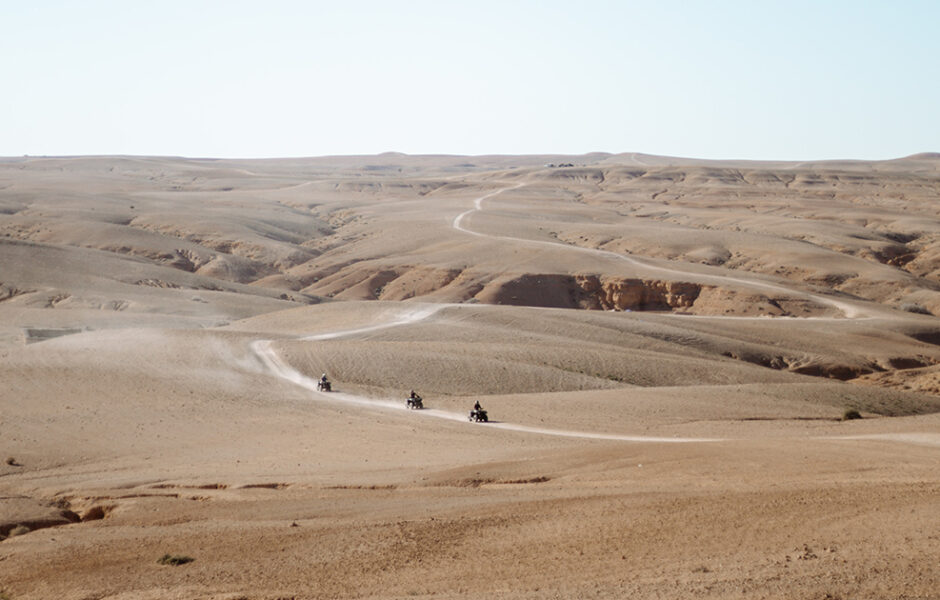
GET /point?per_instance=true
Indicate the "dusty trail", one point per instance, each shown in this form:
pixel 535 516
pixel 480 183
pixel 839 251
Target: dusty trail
pixel 278 367
pixel 916 438
pixel 410 316
pixel 849 310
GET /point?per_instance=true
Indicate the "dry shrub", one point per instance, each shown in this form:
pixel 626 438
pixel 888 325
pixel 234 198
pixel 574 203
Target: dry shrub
pixel 851 414
pixel 19 530
pixel 175 559
pixel 912 307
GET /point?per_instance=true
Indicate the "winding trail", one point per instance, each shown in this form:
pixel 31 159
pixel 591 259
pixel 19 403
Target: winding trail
pixel 849 310
pixel 277 366
pixel 916 438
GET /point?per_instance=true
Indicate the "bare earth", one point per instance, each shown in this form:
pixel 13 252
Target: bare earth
pixel 666 348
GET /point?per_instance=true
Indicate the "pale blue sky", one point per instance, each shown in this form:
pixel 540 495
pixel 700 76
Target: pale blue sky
pixel 709 79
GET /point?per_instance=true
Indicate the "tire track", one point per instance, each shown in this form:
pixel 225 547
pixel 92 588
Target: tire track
pixel 277 366
pixel 849 310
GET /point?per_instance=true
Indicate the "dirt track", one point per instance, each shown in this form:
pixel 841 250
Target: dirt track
pixel 847 309
pixel 279 368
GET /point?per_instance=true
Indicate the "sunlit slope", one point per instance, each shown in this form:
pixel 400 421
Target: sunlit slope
pixel 465 350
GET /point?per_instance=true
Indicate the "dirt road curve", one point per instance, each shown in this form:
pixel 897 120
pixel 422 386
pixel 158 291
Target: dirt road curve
pixel 849 310
pixel 278 367
pixel 412 314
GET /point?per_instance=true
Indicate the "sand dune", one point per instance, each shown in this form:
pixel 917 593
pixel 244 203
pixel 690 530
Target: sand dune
pixel 666 348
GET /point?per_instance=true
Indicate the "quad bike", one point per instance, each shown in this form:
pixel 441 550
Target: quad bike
pixel 324 386
pixel 478 415
pixel 414 403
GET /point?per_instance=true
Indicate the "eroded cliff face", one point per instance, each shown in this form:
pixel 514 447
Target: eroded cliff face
pixel 598 292
pixel 612 293
pixel 553 290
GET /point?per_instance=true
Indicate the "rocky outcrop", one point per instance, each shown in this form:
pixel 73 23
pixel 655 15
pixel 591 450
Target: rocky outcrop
pixel 611 293
pixel 590 291
pixel 8 291
pixel 22 514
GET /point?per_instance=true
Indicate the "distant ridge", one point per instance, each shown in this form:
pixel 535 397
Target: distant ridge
pixel 411 163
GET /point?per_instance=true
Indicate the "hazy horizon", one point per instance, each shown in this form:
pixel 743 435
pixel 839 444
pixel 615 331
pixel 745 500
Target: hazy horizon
pixel 446 154
pixel 726 80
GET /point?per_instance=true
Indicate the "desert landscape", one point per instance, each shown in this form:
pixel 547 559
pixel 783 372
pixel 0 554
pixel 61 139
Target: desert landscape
pixel 704 379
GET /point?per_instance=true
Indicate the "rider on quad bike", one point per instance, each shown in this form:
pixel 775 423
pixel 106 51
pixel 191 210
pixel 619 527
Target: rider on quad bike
pixel 323 384
pixel 478 414
pixel 414 401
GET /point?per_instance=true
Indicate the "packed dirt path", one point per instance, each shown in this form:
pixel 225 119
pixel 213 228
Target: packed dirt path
pixel 279 368
pixel 848 310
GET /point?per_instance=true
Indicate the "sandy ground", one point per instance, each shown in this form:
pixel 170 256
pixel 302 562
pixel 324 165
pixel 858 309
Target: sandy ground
pixel 665 347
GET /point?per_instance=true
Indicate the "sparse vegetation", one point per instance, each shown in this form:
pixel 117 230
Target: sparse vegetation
pixel 12 461
pixel 851 414
pixel 61 503
pixel 19 530
pixel 913 307
pixel 175 559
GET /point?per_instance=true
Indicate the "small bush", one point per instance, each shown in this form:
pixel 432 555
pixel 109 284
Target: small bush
pixel 19 530
pixel 851 414
pixel 175 559
pixel 11 461
pixel 911 307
